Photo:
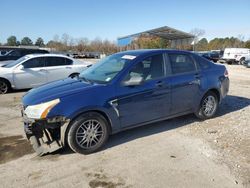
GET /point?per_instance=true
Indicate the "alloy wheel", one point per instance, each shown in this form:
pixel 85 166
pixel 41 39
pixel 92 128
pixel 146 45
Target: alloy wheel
pixel 3 87
pixel 89 134
pixel 209 105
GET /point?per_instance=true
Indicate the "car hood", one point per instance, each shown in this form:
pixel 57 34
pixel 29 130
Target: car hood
pixel 54 90
pixel 2 63
pixel 4 70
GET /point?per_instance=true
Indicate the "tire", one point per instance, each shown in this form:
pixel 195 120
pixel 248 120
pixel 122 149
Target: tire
pixel 88 133
pixel 4 86
pixel 208 106
pixel 242 60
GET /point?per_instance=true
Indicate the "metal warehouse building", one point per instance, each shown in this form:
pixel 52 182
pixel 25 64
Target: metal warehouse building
pixel 176 37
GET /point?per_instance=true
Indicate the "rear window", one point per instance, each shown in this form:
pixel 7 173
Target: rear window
pixel 181 63
pixel 58 61
pixel 203 63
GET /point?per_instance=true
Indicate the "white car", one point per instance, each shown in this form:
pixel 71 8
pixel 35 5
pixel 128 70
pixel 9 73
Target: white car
pixel 37 69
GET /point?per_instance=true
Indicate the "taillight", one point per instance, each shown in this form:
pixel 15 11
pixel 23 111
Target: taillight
pixel 226 73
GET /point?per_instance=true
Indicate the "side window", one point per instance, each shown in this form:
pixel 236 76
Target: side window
pixel 150 68
pixel 33 63
pixel 57 61
pixel 181 63
pixel 68 61
pixel 15 53
pixel 204 63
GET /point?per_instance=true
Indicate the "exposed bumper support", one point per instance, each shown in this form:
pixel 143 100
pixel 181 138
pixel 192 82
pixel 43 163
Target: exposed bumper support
pixel 45 136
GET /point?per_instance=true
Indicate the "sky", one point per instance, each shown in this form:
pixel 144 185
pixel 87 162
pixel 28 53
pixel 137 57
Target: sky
pixel 109 19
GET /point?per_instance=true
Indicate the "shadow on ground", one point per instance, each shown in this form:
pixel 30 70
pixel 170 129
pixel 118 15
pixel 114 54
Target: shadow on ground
pixel 229 104
pixel 14 147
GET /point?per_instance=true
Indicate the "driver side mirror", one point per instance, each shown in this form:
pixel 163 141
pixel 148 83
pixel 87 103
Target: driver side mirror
pixel 133 81
pixel 21 67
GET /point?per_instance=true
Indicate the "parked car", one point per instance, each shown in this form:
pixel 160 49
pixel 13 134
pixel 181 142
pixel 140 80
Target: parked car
pixel 20 52
pixel 37 69
pixel 235 55
pixel 212 56
pixel 124 90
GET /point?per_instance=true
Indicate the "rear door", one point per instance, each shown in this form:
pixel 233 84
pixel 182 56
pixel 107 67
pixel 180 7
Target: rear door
pixel 185 82
pixel 30 74
pixel 58 68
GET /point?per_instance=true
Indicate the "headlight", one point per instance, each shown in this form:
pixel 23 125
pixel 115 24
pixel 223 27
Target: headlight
pixel 40 111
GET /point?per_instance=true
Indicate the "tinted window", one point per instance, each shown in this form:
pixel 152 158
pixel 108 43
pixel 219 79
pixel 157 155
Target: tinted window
pixel 181 63
pixel 150 68
pixel 58 61
pixel 204 63
pixel 34 63
pixel 14 53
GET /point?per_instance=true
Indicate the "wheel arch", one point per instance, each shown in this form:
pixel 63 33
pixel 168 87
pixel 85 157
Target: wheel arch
pixel 65 129
pixel 8 82
pixel 72 74
pixel 215 91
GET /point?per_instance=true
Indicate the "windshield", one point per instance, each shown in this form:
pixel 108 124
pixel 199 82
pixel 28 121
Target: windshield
pixel 105 70
pixel 14 63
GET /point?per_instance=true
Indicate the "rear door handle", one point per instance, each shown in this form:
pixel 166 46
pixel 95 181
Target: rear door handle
pixel 159 84
pixel 42 70
pixel 197 76
pixel 68 67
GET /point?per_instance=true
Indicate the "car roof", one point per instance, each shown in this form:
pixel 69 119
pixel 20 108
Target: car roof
pixel 149 51
pixel 47 55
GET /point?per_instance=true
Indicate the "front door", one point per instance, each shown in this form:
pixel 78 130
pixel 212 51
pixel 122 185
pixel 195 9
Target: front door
pixel 148 101
pixel 30 74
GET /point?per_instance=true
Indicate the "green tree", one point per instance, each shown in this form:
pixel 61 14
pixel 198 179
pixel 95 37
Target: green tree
pixel 151 42
pixel 247 44
pixel 39 42
pixel 26 41
pixel 202 45
pixel 12 41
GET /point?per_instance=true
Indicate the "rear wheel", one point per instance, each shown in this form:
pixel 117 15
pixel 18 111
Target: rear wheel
pixel 88 133
pixel 208 106
pixel 242 61
pixel 4 86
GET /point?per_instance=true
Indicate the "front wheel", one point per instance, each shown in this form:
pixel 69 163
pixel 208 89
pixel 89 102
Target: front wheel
pixel 88 133
pixel 4 86
pixel 208 106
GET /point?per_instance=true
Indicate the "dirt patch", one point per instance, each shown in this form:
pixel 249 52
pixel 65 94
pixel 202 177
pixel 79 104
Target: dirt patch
pixel 104 184
pixel 13 147
pixel 101 180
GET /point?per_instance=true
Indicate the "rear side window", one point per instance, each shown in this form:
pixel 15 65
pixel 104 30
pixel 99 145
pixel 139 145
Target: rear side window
pixel 204 63
pixel 15 53
pixel 34 63
pixel 181 63
pixel 58 61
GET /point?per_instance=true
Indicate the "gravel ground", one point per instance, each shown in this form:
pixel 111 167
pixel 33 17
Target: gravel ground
pixel 181 152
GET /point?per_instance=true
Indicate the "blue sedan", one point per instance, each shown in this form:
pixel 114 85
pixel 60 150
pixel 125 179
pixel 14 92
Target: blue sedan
pixel 124 90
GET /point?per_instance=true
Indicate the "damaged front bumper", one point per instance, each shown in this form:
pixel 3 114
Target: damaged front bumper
pixel 46 135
